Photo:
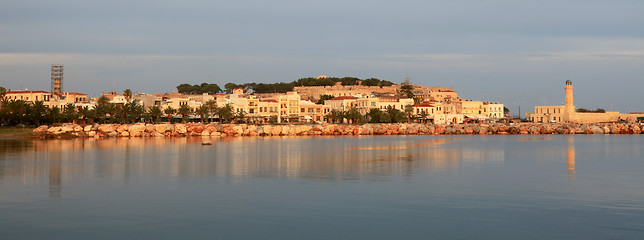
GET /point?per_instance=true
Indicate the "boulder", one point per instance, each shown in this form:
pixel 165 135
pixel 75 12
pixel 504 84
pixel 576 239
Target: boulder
pixel 122 128
pixel 276 130
pixel 157 134
pixel 180 128
pixel 67 128
pixel 41 129
pixel 596 130
pixel 137 130
pixel 54 129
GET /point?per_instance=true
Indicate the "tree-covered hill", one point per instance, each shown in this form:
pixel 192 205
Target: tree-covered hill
pixel 279 87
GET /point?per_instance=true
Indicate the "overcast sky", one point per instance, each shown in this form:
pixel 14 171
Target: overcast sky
pixel 513 52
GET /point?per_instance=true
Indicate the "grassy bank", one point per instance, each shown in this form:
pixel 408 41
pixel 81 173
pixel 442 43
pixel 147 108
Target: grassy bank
pixel 15 132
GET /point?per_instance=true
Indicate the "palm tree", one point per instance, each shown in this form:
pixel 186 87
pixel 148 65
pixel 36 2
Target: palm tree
pixel 136 111
pixel 169 111
pixel 423 116
pixel 335 115
pixel 353 115
pixel 38 111
pixel 54 114
pixel 212 108
pixel 131 111
pixel 395 115
pixel 69 113
pixel 104 107
pixel 89 115
pixel 203 112
pixel 155 113
pixel 184 110
pixel 409 110
pixel 240 115
pixel 225 113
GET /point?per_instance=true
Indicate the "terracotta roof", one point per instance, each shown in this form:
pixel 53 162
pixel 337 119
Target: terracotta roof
pixel 269 100
pixel 423 105
pixel 343 98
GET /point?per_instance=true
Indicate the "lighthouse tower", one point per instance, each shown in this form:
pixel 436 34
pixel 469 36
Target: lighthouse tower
pixel 570 104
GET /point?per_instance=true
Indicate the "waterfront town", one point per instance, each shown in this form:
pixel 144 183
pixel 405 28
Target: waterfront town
pixel 337 100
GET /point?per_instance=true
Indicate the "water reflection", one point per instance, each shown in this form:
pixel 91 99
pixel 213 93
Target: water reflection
pixel 570 157
pixel 318 158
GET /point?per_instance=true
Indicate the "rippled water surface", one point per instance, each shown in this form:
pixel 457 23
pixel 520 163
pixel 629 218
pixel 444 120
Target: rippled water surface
pixel 395 187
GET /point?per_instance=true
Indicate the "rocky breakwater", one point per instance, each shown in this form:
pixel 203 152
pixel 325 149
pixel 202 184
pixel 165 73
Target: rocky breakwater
pixel 225 130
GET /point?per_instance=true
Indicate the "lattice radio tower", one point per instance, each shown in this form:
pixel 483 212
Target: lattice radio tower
pixel 57 72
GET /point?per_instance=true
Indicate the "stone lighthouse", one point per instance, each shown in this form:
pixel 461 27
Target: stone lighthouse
pixel 570 104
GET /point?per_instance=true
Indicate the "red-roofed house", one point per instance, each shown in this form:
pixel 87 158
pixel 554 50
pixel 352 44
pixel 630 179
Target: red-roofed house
pixel 343 103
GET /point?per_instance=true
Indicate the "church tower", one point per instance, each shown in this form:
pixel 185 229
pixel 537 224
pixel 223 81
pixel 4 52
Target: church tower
pixel 570 105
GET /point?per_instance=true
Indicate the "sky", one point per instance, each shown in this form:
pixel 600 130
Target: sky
pixel 518 53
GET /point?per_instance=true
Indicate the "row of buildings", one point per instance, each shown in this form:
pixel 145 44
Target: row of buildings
pixel 438 105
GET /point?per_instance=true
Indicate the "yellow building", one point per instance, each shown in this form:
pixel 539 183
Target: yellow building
pixel 310 111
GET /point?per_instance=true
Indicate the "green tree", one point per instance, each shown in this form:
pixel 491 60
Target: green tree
pixel 395 115
pixel 226 113
pixel 88 114
pixel 104 108
pixel 409 111
pixel 184 110
pixel 230 86
pixel 423 116
pixel 324 97
pixel 169 111
pixel 54 115
pixel 407 89
pixel 335 115
pixel 374 115
pixel 354 116
pixel 203 112
pixel 132 112
pixel 154 112
pixel 127 94
pixel 240 115
pixel 38 112
pixel 212 108
pixel 17 111
pixel 69 113
pixel 3 92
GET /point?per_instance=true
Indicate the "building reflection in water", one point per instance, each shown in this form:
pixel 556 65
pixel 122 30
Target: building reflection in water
pixel 320 158
pixel 570 157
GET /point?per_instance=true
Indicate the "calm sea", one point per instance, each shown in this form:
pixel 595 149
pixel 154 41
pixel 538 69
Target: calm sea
pixel 374 187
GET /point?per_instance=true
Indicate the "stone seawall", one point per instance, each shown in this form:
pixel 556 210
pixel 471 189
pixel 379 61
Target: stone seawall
pixel 224 130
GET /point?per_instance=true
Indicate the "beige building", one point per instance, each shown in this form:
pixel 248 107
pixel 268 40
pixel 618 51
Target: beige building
pixel 343 103
pixel 437 95
pixel 49 99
